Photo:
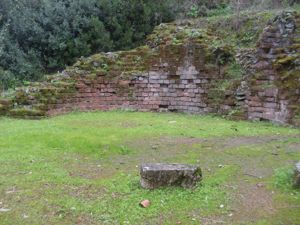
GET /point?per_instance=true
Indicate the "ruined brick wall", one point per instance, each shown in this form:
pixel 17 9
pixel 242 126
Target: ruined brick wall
pixel 4 106
pixel 275 88
pixel 178 71
pixel 172 84
pixel 149 92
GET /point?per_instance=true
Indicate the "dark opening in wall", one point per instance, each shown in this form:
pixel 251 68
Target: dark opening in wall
pixel 174 77
pixel 163 106
pixel 263 120
pixel 266 50
pixel 164 85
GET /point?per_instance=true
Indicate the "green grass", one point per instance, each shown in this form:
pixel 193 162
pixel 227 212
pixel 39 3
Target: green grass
pixel 82 168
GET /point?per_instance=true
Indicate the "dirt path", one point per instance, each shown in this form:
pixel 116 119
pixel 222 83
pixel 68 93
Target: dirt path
pixel 250 199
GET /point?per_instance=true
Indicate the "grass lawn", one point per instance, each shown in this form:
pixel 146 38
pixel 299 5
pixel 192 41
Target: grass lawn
pixel 82 168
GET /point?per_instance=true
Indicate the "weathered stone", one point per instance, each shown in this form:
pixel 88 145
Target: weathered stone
pixel 273 85
pixel 180 78
pixel 297 176
pixel 158 175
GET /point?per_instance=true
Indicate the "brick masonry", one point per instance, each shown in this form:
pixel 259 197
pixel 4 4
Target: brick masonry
pixel 181 77
pixel 275 88
pixel 160 89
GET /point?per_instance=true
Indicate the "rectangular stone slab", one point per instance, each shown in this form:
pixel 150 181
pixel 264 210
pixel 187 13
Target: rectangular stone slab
pixel 157 175
pixel 297 176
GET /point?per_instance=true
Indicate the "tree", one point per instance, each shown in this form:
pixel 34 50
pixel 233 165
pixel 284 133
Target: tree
pixel 42 36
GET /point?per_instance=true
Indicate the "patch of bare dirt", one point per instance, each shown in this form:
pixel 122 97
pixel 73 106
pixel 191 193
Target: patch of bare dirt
pixel 216 143
pixel 87 192
pixel 163 141
pixel 88 168
pixel 240 141
pixel 293 147
pixel 252 202
pixel 233 142
pixel 166 148
pixel 212 221
pixel 160 149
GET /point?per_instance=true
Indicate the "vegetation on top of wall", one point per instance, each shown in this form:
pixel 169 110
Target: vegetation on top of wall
pixel 120 64
pixel 166 42
pixel 39 37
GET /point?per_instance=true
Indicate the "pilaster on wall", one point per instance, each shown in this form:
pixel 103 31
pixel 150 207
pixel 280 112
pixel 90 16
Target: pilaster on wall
pixel 275 89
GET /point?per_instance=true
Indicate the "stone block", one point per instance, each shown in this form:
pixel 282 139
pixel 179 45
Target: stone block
pixel 161 175
pixel 270 105
pixel 184 81
pixel 297 176
pixel 271 92
pixel 255 104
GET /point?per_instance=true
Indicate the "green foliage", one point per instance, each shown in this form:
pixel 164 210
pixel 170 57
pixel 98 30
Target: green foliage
pixel 247 37
pixel 194 11
pixel 43 36
pixel 81 167
pixel 209 8
pixel 214 4
pixel 220 11
pixel 234 70
pixel 283 178
pixel 38 37
pixel 203 11
pixel 7 79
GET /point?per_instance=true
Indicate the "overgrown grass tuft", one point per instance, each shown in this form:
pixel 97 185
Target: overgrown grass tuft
pixel 283 179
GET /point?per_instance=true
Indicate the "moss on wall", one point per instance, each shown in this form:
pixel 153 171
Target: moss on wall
pixel 208 45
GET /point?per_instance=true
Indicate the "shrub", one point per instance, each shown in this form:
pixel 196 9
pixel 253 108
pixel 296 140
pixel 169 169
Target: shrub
pixel 38 37
pixel 284 178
